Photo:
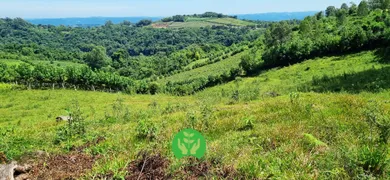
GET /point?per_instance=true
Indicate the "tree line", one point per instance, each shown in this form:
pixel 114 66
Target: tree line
pixel 337 31
pixel 73 77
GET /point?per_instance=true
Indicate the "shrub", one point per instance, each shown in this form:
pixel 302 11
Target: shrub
pixel 75 127
pixel 248 124
pixel 146 129
pixel 153 88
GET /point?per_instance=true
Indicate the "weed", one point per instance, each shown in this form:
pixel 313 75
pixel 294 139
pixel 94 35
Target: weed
pixel 376 117
pixel 312 142
pixel 191 120
pixel 294 98
pixel 119 112
pixel 146 129
pixel 174 108
pixel 153 104
pixel 235 98
pixel 372 157
pixel 373 160
pixel 207 115
pixel 75 127
pixel 248 124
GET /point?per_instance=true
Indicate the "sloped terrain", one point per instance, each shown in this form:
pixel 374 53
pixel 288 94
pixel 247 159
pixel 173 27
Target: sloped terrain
pixel 296 125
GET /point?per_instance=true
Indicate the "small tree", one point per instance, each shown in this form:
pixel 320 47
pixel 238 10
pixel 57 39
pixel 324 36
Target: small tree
pixel 153 88
pixel 97 58
pixel 144 22
pixel 249 64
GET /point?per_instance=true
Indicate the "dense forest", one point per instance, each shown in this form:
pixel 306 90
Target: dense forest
pixel 131 50
pixel 334 32
pixel 131 53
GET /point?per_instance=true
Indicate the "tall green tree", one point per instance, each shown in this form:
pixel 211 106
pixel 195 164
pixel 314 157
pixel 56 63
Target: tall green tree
pixel 379 4
pixel 330 11
pixel 305 26
pixel 97 58
pixel 278 34
pixel 363 8
pixel 319 15
pixel 353 8
pixel 341 16
pixel 344 6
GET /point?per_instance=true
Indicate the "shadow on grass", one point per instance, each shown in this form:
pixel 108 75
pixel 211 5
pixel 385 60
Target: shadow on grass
pixel 372 80
pixel 383 55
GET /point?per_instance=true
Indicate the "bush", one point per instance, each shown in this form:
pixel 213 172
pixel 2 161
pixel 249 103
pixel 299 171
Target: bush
pixel 249 64
pixel 154 88
pixel 75 127
pixel 144 22
pixel 146 129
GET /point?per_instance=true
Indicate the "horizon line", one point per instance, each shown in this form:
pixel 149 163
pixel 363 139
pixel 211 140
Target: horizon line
pixel 161 16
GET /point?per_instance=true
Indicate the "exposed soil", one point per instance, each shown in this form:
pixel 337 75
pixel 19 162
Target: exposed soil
pixel 69 166
pixel 148 167
pixel 65 166
pixel 160 25
pixel 154 167
pixel 3 158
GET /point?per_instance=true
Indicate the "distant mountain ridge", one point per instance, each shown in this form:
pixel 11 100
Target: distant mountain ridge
pixel 88 21
pixel 277 16
pixel 98 21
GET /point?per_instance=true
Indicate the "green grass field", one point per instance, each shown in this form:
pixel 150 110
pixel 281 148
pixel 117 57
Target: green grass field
pixel 57 63
pixel 192 64
pixel 299 77
pixel 307 129
pixel 217 68
pixel 230 21
pixel 191 24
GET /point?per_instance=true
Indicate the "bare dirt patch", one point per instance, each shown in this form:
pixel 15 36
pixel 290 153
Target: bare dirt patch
pixel 160 25
pixel 148 167
pixel 69 166
pixel 3 158
pixel 63 166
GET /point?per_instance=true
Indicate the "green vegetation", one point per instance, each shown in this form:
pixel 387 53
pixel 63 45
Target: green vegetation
pixel 231 21
pixel 339 33
pixel 353 73
pixel 278 136
pixel 136 51
pixel 196 22
pixel 188 82
pixel 301 100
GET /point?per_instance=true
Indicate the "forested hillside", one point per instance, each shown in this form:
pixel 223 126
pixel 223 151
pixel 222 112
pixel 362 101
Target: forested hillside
pixel 139 52
pixel 292 99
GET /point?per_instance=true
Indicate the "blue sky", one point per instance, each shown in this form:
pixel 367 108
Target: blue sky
pixel 124 8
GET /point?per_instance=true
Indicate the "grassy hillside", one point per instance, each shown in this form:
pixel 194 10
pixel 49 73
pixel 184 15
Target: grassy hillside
pixel 230 21
pixel 194 22
pixel 217 68
pixel 282 131
pixel 352 73
pixel 57 63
